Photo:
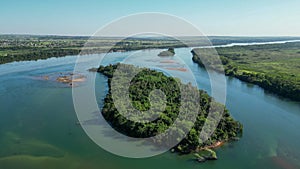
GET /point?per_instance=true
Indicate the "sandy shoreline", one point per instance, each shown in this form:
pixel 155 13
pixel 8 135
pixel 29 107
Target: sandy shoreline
pixel 68 78
pixel 178 69
pixel 213 146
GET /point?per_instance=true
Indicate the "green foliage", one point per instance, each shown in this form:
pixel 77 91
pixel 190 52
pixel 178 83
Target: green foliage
pixel 29 47
pixel 273 67
pixel 171 50
pixel 34 47
pixel 146 81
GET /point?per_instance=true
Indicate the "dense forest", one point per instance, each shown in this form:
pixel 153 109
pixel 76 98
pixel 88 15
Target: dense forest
pixel 140 88
pixel 273 67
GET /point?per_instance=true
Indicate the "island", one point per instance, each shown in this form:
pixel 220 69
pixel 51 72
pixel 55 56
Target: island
pixel 141 86
pixel 169 52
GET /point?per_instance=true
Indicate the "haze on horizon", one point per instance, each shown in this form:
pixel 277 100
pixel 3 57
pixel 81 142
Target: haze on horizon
pixel 213 18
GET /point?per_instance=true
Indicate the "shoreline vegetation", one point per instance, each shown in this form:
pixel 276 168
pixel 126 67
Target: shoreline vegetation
pixel 141 86
pixel 273 67
pixel 35 47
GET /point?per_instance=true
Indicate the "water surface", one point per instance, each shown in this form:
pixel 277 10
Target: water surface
pixel 38 123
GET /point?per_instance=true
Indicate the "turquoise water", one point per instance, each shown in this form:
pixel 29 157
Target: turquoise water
pixel 38 123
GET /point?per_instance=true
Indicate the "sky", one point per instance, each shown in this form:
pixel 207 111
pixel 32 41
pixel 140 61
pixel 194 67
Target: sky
pixel 212 17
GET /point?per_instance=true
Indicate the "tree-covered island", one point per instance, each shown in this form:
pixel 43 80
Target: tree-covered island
pixel 169 52
pixel 140 90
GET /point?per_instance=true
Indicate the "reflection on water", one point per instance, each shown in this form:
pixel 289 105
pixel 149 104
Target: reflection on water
pixel 39 127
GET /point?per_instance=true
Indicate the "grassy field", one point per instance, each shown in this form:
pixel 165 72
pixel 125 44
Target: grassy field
pixel 275 67
pixel 278 60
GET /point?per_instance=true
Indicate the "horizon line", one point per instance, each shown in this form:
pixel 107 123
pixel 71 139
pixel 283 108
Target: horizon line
pixel 68 35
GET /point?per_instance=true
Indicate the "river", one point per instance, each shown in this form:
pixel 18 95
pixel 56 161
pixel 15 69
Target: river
pixel 38 122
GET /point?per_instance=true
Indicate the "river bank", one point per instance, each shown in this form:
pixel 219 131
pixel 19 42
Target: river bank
pixel 274 67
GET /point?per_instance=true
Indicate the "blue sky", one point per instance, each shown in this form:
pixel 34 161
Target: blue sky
pixel 212 17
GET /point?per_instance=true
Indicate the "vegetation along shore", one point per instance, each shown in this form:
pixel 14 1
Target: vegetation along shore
pixel 34 47
pixel 274 67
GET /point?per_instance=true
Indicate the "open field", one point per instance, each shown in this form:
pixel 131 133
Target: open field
pixel 274 67
pixel 278 60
